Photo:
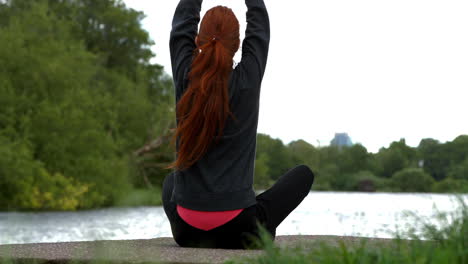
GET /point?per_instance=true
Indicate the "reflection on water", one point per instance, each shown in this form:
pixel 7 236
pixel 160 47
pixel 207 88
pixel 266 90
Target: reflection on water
pixel 321 213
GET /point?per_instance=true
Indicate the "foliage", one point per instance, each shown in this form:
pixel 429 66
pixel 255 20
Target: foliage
pixel 79 97
pixel 355 169
pixel 26 184
pixel 412 180
pixel 326 178
pixel 397 157
pixel 458 149
pixel 459 170
pixel 435 157
pixel 336 179
pixel 304 153
pixel 451 185
pixel 366 181
pixel 140 197
pixel 262 178
pixel 353 159
pixel 279 157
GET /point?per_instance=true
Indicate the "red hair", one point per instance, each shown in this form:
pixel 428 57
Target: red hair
pixel 204 107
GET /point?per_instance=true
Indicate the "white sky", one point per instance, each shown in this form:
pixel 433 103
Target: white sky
pixel 378 70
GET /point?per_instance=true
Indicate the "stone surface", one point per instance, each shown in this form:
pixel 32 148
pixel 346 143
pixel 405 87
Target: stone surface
pixel 159 250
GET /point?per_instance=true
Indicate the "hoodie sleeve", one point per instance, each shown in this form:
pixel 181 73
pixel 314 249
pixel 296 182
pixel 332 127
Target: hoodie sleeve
pixel 182 37
pixel 257 39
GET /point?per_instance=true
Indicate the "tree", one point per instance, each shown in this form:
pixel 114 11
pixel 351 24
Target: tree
pixel 435 158
pixel 304 153
pixel 458 149
pixel 459 171
pixel 412 180
pixel 82 126
pixel 280 160
pixel 397 157
pixel 262 178
pixel 353 159
pixel 328 155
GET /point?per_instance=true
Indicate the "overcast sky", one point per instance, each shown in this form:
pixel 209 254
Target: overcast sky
pixel 378 70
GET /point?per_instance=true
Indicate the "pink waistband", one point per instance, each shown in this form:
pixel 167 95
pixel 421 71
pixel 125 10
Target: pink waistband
pixel 206 220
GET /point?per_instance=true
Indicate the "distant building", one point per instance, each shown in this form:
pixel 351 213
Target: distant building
pixel 341 140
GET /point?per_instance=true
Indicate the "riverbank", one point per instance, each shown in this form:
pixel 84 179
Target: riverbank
pixel 159 250
pixel 445 242
pixel 320 213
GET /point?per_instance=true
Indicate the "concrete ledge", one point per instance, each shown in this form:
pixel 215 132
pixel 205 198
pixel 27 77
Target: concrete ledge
pixel 159 250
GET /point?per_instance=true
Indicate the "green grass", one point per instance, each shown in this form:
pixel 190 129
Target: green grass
pixel 446 242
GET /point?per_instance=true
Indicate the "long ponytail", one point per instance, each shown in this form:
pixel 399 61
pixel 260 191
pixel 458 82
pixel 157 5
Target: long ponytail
pixel 204 108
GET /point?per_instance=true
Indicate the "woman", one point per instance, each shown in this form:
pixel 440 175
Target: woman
pixel 209 198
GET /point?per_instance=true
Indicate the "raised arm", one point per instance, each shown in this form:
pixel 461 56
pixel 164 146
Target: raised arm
pixel 257 38
pixel 183 33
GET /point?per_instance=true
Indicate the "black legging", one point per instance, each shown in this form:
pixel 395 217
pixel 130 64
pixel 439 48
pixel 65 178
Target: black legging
pixel 272 207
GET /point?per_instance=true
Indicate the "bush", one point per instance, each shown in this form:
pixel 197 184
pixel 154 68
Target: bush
pixel 26 184
pixel 459 171
pixel 366 181
pixel 451 185
pixel 330 177
pixel 412 180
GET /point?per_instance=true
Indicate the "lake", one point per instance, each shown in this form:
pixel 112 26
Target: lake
pixel 321 213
